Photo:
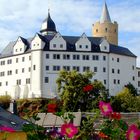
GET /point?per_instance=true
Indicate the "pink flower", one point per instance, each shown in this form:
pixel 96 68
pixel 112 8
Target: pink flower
pixel 7 129
pixel 105 108
pixel 69 130
pixel 133 133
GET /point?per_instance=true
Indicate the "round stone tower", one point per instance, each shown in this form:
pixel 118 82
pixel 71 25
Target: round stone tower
pixel 106 28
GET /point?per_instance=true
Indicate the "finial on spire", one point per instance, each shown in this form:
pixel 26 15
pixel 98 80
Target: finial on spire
pixel 105 17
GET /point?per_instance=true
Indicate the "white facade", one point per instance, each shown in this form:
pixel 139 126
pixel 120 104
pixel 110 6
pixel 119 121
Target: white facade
pixel 33 73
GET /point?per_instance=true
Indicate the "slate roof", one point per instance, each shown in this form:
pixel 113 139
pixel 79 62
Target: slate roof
pixel 70 41
pixel 10 120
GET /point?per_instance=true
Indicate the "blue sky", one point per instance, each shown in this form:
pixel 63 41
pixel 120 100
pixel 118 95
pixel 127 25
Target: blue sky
pixel 72 17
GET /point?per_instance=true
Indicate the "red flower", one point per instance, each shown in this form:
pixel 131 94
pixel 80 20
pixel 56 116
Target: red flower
pixel 52 108
pixel 105 108
pixel 102 135
pixel 7 129
pixel 133 133
pixel 88 88
pixel 116 116
pixel 69 130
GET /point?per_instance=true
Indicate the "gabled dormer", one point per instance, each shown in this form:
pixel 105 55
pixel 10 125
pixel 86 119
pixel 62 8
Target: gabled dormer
pixel 58 42
pixel 104 45
pixel 38 42
pixel 20 45
pixel 83 43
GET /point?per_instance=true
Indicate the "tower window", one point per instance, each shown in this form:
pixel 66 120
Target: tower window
pixel 115 30
pixel 105 29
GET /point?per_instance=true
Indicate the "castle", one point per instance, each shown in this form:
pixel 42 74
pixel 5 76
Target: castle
pixel 29 67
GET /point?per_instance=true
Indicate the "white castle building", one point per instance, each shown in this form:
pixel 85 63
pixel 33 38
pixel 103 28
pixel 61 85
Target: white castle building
pixel 29 67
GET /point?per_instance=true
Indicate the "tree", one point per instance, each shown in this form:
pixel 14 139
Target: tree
pixel 71 86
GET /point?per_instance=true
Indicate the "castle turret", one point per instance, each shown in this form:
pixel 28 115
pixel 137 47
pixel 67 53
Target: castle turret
pixel 48 26
pixel 105 27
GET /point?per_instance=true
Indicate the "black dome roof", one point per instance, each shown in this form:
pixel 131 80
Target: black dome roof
pixel 50 24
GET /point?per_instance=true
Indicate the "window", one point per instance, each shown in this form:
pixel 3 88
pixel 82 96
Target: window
pixel 0 83
pixel 47 56
pixel 54 45
pixel 28 81
pixel 105 48
pixel 66 56
pixel 46 80
pixel 47 67
pixel 80 46
pixel 113 71
pixel 2 62
pixel 105 82
pixel 104 69
pixel 104 58
pixel 29 69
pixel 118 71
pixel 20 49
pixel 105 29
pixel 95 69
pixel 133 78
pixel 112 59
pixel 16 60
pixel 61 45
pixel 9 72
pixel 56 56
pixel 86 46
pixel 76 68
pixel 22 70
pixel 23 59
pixel 34 67
pixel 118 60
pixel 138 73
pixel 6 83
pixel 95 57
pixel 86 68
pixel 138 83
pixel 2 73
pixel 76 57
pixel 133 67
pixel 19 82
pixel 96 30
pixel 56 68
pixel 85 57
pixel 16 71
pixel 118 81
pixel 114 81
pixel 67 68
pixel 9 61
pixel 30 57
pixel 115 30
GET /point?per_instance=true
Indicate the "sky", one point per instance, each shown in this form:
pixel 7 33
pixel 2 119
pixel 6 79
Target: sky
pixel 72 17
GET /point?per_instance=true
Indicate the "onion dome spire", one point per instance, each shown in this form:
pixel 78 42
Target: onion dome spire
pixel 48 26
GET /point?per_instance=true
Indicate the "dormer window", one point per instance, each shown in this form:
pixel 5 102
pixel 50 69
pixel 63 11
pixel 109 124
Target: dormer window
pixel 61 45
pixel 105 48
pixel 20 49
pixel 80 46
pixel 54 45
pixel 86 46
pixel 16 50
